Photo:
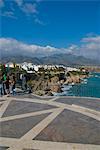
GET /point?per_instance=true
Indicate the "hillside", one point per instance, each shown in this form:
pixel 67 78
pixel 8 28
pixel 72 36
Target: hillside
pixel 65 59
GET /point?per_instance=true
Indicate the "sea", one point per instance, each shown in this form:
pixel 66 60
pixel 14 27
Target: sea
pixel 89 87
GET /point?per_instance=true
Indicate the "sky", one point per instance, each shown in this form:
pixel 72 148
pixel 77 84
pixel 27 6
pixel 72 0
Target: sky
pixel 50 26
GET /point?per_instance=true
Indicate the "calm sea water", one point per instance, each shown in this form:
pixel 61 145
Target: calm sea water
pixel 90 87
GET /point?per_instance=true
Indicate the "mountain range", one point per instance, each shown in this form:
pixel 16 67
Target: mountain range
pixel 63 59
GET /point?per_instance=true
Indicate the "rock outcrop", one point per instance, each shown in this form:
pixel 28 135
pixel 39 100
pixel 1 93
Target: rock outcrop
pixel 45 85
pixel 56 88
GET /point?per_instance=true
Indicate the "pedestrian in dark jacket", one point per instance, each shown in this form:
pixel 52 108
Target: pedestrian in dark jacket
pixel 7 83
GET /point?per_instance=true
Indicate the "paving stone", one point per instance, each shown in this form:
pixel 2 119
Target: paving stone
pixel 88 103
pixel 32 96
pixel 72 127
pixel 22 107
pixel 17 128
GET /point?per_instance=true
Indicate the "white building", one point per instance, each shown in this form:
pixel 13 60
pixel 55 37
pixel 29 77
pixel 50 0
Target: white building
pixel 36 67
pixel 10 64
pixel 72 69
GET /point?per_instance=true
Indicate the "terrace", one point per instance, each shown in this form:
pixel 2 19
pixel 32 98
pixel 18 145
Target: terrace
pixel 49 123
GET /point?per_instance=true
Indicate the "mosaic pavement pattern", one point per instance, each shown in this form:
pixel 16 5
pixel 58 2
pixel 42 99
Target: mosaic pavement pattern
pixel 57 123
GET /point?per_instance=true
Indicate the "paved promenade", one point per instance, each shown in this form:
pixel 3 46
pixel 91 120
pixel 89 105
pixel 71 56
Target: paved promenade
pixel 56 123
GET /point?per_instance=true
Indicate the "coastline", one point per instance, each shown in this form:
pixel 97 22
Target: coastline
pixel 56 86
pixel 88 88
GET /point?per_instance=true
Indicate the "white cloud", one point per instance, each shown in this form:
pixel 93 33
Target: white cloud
pixel 88 48
pixel 9 14
pixel 38 21
pixel 91 39
pixel 10 46
pixel 29 8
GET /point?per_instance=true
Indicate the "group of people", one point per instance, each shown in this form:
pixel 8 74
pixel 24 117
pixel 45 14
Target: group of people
pixel 7 84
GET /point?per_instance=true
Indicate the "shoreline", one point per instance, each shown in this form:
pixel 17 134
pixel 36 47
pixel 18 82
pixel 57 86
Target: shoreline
pixel 86 83
pixel 57 83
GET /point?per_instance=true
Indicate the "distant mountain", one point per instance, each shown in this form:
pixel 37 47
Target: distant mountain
pixel 20 59
pixel 69 60
pixel 65 59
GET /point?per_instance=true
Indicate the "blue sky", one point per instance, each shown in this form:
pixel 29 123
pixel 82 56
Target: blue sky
pixel 60 24
pixel 55 23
